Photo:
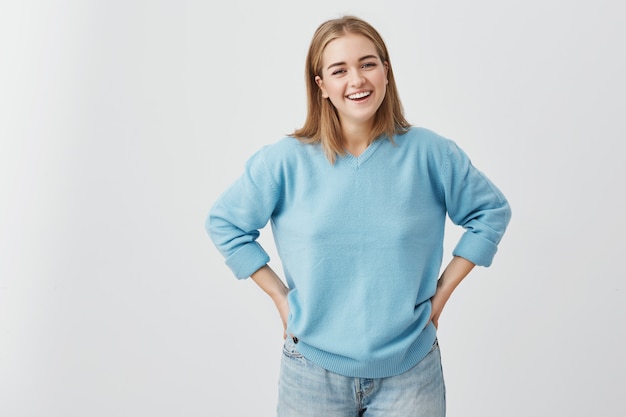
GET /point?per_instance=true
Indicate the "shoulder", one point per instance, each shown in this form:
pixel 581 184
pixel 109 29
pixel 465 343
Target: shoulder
pixel 422 137
pixel 274 152
pixel 286 149
pixel 286 157
pixel 426 143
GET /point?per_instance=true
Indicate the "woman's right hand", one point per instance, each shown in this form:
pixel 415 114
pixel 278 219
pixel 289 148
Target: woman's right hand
pixel 269 282
pixel 282 305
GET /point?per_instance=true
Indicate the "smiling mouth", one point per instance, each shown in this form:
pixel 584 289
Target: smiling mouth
pixel 359 96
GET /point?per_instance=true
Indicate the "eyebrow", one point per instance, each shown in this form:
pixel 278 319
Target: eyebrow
pixel 337 64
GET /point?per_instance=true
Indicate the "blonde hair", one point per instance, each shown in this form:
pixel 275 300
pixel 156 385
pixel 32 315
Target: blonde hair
pixel 322 123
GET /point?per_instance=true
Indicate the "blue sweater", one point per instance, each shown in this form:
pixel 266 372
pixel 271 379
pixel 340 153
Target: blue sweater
pixel 360 241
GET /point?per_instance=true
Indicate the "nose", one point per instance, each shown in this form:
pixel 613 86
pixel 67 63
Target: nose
pixel 356 79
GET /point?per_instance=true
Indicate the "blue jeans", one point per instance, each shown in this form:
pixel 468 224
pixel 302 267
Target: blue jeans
pixel 307 390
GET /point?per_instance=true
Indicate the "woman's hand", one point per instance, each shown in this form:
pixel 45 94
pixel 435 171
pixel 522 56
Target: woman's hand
pixel 457 269
pixel 282 305
pixel 273 286
pixel 438 302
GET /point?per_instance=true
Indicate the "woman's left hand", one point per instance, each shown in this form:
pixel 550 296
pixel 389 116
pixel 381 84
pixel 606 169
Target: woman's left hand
pixel 457 269
pixel 437 302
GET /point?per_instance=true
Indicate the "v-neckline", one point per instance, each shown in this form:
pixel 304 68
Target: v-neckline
pixel 357 161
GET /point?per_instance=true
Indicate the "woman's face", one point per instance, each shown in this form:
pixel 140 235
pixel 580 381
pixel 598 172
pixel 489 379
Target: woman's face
pixel 354 79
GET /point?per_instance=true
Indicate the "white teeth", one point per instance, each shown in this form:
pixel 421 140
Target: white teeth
pixel 359 95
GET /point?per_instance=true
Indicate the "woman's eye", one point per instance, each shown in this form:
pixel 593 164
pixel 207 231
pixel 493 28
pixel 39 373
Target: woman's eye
pixel 339 71
pixel 369 65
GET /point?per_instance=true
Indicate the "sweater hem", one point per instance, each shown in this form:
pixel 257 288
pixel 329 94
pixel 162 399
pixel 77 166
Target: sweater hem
pixel 380 368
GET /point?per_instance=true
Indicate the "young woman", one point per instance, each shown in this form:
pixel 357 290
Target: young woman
pixel 358 199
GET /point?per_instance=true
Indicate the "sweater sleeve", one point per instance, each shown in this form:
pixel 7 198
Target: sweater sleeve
pixel 474 203
pixel 236 217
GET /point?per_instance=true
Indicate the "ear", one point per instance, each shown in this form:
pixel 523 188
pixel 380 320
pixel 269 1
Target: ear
pixel 320 84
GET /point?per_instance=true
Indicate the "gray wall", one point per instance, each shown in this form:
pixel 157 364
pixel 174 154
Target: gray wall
pixel 122 121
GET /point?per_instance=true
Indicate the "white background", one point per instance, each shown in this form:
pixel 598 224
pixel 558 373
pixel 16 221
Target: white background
pixel 122 121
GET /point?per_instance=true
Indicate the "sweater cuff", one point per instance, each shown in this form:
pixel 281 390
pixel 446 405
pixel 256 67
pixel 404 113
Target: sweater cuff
pixel 247 260
pixel 475 249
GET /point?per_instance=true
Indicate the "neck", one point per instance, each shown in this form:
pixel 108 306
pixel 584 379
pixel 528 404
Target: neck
pixel 356 138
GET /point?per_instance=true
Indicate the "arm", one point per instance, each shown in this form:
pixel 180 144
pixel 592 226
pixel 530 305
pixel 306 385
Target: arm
pixel 234 223
pixel 457 269
pixel 239 213
pixel 273 286
pixel 474 203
